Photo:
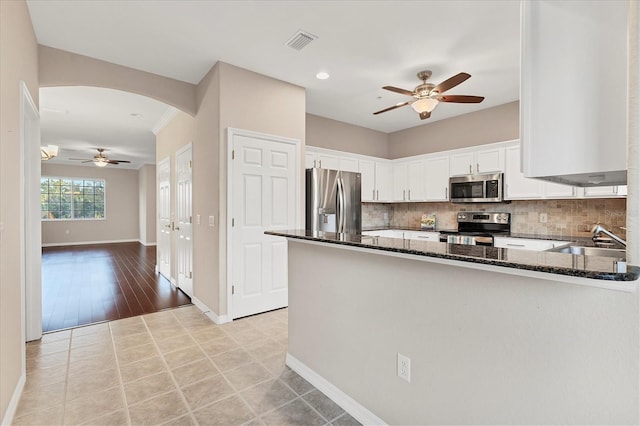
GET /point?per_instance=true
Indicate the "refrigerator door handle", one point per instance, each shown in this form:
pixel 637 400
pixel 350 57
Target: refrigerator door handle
pixel 341 205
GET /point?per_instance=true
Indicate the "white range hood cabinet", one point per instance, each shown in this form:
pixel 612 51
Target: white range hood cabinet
pixel 573 99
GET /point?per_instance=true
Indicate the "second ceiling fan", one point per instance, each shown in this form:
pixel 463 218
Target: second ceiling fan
pixel 428 96
pixel 100 159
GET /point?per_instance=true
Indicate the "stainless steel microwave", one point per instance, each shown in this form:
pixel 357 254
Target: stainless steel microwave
pixel 476 188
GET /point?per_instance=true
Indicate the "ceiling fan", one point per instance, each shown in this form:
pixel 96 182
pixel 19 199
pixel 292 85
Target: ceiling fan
pixel 428 96
pixel 100 159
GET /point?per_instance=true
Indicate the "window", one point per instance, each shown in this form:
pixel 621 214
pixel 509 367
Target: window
pixel 71 198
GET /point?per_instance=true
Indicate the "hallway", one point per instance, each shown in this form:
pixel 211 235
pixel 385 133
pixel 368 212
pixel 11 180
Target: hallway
pixel 87 284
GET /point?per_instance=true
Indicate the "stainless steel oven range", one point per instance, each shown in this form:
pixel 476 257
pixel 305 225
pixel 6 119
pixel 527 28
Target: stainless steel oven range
pixel 478 228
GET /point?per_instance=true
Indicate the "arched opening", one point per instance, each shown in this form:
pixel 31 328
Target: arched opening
pixel 98 207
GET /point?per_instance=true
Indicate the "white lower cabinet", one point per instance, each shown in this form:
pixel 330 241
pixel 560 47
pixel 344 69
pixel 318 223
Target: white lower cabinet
pixel 422 235
pixel 527 244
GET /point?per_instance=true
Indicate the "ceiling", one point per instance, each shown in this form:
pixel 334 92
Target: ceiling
pixel 81 119
pixel 363 45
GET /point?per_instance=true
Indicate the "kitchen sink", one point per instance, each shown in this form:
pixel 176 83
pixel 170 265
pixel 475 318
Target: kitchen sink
pixel 592 251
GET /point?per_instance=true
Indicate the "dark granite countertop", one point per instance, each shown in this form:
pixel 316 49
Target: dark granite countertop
pixel 593 267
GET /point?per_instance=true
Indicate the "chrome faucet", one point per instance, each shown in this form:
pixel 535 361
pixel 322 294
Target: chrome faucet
pixel 598 229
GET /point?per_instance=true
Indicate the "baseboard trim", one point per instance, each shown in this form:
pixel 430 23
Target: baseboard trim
pixel 173 282
pixel 348 404
pixel 146 244
pixel 218 319
pixel 84 243
pixel 15 399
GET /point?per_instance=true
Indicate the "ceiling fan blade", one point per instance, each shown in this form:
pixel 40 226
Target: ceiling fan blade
pixel 425 115
pixel 451 83
pixel 390 108
pixel 398 90
pixel 461 99
pixel 119 161
pixel 80 159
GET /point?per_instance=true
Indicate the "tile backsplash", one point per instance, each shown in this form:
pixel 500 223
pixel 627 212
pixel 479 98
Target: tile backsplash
pixel 572 218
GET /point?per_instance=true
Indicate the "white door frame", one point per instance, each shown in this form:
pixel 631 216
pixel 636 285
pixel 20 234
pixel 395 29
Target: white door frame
pixel 231 133
pixel 165 161
pixel 30 223
pixel 182 149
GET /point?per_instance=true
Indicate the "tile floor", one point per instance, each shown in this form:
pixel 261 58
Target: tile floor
pixel 174 367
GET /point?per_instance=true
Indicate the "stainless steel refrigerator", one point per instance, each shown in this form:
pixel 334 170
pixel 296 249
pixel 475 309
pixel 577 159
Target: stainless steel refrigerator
pixel 333 201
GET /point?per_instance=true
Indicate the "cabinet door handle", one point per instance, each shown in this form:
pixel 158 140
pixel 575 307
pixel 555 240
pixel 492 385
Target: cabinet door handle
pixel 374 194
pixel 404 191
pixel 320 162
pixel 515 245
pixel 470 171
pixel 409 197
pixel 446 193
pixel 478 167
pixel 377 195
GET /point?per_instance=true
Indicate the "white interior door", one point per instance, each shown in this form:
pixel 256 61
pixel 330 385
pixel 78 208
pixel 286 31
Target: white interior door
pixel 184 219
pixel 263 197
pixel 164 217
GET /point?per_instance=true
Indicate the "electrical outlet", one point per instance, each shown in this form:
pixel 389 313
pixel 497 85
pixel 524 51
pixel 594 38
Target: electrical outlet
pixel 404 367
pixel 543 218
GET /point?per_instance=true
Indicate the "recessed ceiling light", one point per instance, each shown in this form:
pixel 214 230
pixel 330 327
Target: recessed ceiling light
pixel 322 75
pixel 135 114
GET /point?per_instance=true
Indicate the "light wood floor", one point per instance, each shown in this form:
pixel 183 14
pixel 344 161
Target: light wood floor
pixel 94 283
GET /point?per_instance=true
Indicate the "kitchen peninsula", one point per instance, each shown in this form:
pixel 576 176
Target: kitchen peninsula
pixel 492 336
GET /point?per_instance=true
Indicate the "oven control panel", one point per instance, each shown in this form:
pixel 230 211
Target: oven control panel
pixel 484 217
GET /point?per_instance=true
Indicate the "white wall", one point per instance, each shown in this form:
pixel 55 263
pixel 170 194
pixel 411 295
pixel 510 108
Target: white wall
pixel 122 221
pixel 485 347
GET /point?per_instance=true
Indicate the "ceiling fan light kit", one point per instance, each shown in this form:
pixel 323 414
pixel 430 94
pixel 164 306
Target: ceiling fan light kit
pixel 428 96
pixel 100 159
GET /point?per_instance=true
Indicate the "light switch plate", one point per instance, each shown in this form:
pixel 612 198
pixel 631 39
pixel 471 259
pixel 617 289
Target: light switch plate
pixel 212 221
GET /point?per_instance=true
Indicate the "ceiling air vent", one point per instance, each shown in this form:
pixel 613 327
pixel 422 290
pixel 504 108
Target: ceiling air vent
pixel 300 40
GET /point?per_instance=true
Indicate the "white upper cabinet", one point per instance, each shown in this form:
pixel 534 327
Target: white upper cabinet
pixel 519 187
pixel 516 186
pixel 606 191
pixel 408 181
pixel 325 160
pixel 480 161
pixel 349 164
pixel 436 179
pixel 415 180
pixel 367 170
pixel 461 164
pixel 573 97
pixel 383 181
pixel 399 181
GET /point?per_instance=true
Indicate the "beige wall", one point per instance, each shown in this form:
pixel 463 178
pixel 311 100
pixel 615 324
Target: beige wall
pixel 179 132
pixel 331 134
pixel 497 124
pixel 62 68
pixel 18 61
pixel 485 347
pixel 122 202
pixel 277 109
pixel 147 203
